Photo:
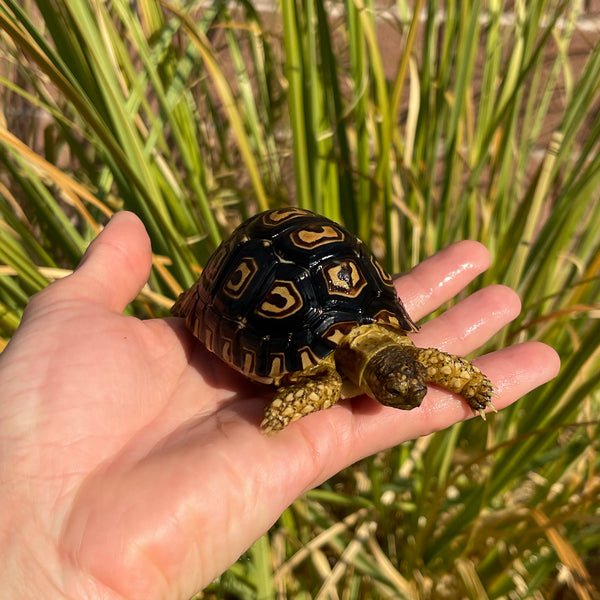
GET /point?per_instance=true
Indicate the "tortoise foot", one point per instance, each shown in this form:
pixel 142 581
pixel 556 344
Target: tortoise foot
pixel 305 392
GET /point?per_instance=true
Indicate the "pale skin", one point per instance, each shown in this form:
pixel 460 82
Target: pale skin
pixel 131 460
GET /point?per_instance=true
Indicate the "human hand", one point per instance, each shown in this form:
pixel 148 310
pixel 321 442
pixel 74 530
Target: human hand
pixel 131 460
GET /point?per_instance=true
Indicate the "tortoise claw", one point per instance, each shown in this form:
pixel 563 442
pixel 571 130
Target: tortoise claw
pixel 488 405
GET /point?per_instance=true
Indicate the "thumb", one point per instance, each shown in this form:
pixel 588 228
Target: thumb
pixel 115 266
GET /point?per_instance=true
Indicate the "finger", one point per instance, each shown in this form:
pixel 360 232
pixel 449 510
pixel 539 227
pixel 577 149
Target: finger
pixel 354 429
pixel 469 324
pixel 115 266
pixel 440 277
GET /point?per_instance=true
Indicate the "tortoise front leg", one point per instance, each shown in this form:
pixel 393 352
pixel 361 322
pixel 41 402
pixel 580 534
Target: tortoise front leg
pixel 457 375
pixel 450 371
pixel 303 392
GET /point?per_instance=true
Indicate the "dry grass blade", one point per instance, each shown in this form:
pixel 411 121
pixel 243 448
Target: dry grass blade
pixel 70 188
pixel 400 583
pixel 580 580
pixel 203 46
pixel 320 540
pixel 363 533
pixel 471 581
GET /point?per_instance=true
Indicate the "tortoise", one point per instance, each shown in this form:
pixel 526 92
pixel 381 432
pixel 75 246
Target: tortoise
pixel 293 299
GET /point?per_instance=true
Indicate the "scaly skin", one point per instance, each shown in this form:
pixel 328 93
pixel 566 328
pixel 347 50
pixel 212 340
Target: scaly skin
pixel 452 372
pixel 383 363
pixel 303 392
pixel 457 375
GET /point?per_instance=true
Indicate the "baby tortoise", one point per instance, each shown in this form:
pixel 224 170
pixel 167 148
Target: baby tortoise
pixel 293 299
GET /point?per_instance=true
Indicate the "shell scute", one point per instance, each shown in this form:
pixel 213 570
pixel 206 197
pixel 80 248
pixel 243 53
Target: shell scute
pixel 283 290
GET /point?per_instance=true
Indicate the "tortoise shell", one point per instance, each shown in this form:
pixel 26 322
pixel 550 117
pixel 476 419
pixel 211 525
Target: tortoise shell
pixel 279 294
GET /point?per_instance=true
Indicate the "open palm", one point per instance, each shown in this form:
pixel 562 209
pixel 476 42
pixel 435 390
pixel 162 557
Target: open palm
pixel 131 461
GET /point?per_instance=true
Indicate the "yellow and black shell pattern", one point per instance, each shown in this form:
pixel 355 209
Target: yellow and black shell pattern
pixel 279 294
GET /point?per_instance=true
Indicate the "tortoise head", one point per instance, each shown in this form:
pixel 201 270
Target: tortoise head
pixel 395 378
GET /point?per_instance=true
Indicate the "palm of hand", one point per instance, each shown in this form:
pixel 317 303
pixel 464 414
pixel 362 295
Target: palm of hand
pixel 137 453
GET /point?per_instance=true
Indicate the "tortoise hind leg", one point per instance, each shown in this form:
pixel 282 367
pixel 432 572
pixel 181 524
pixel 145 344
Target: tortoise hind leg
pixel 304 392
